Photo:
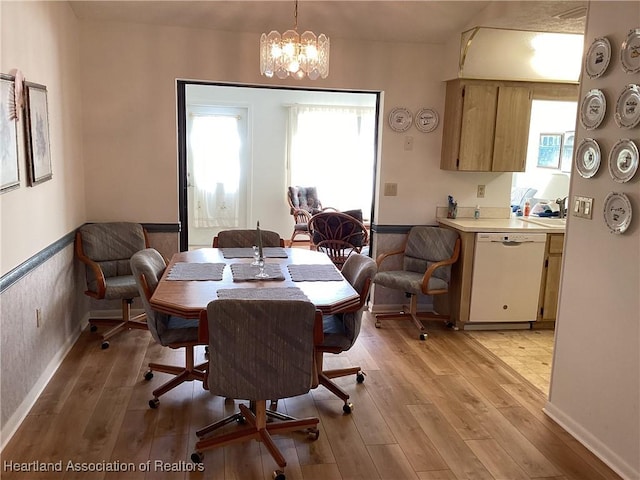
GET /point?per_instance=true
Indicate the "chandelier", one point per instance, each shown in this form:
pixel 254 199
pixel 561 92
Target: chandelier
pixel 294 55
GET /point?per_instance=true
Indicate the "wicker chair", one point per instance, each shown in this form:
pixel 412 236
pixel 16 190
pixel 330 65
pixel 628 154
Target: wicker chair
pixel 338 235
pixel 303 204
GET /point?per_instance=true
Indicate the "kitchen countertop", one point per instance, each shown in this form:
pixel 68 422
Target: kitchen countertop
pixel 513 224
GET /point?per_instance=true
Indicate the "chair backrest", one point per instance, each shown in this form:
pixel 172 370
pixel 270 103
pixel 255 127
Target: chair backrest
pixel 246 239
pixel 262 349
pixel 359 271
pixel 109 246
pixel 427 245
pixel 341 226
pixel 305 198
pixel 147 267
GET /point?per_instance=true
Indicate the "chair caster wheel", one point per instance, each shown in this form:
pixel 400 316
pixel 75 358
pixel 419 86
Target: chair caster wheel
pixel 347 407
pixel 423 336
pixel 241 420
pixel 314 433
pixel 154 403
pixel 93 328
pixel 196 457
pixel 148 375
pixel 104 345
pixel 279 475
pixel 273 405
pixel 360 377
pixel 378 324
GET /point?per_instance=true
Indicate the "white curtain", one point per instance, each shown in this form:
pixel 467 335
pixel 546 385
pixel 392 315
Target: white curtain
pixel 332 148
pixel 215 146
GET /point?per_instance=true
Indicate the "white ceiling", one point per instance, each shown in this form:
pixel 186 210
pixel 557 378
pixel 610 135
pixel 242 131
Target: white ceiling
pixel 423 21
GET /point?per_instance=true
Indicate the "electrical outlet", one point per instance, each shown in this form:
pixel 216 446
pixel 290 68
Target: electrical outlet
pixel 480 191
pixel 408 143
pixel 38 318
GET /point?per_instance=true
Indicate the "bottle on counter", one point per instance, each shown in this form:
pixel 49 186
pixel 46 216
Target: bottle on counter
pixel 476 213
pixel 527 208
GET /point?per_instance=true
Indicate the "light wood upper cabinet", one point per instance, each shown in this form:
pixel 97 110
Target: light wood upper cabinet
pixel 486 126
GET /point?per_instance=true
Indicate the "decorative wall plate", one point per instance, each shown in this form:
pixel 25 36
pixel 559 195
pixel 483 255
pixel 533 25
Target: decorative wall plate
pixel 617 212
pixel 588 158
pixel 598 56
pixel 400 119
pixel 426 120
pixel 630 52
pixel 628 107
pixel 592 109
pixel 623 161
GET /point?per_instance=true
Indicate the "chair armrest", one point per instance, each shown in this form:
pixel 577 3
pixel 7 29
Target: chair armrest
pixel 435 266
pixel 300 215
pixel 383 256
pixel 95 268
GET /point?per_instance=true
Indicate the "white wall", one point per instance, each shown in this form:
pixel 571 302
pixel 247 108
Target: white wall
pixel 595 384
pixel 130 108
pixel 42 40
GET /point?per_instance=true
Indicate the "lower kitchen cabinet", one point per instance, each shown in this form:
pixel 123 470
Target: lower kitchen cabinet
pixel 550 286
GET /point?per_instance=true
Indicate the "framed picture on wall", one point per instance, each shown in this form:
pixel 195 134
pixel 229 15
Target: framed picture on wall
pixel 37 134
pixel 549 148
pixel 566 157
pixel 9 170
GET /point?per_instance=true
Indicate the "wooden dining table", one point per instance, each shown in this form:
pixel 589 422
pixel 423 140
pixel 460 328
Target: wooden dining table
pixel 196 277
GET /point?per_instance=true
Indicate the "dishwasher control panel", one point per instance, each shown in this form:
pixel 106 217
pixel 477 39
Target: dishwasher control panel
pixel 512 237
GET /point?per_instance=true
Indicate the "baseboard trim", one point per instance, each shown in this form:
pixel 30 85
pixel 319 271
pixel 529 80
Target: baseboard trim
pixel 13 423
pixel 591 443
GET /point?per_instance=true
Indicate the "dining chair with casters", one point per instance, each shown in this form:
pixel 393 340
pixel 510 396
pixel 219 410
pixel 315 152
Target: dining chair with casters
pixel 427 256
pixel 338 235
pixel 342 329
pixel 303 204
pixel 262 349
pixel 147 266
pixel 106 249
pixel 246 239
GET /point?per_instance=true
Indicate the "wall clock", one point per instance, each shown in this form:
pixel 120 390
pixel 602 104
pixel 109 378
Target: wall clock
pixel 400 119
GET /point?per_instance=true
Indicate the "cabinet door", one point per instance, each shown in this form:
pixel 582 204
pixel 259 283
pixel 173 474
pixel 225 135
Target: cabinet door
pixel 551 288
pixel 477 129
pixel 512 129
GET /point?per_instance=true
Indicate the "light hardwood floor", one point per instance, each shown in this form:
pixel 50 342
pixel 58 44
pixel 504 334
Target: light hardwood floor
pixel 446 408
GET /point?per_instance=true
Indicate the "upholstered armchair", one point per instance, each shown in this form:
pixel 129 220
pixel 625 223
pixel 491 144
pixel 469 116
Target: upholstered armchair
pixel 106 249
pixel 341 329
pixel 427 257
pixel 147 267
pixel 261 349
pixel 303 204
pixel 246 239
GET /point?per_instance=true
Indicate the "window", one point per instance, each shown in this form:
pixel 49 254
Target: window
pixel 216 168
pixel 333 149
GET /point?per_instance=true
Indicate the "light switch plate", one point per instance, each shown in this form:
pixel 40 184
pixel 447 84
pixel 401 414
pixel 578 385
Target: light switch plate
pixel 390 189
pixel 582 207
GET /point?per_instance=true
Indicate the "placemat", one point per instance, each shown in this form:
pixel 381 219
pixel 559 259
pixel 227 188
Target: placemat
pixel 284 293
pixel 244 272
pixel 314 273
pixel 196 271
pixel 268 252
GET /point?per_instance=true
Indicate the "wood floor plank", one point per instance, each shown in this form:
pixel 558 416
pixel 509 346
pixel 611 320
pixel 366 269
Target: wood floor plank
pixel 391 462
pixel 444 409
pixel 458 456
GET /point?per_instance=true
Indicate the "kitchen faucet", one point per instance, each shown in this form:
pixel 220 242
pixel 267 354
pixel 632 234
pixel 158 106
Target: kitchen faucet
pixel 561 204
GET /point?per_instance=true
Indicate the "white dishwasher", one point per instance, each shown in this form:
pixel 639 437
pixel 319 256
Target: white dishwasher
pixel 507 269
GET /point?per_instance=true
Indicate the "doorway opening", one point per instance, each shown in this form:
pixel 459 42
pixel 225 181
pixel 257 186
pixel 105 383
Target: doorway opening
pixel 241 147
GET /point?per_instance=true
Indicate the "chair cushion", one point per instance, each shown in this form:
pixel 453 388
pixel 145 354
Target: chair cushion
pixel 410 282
pixel 335 335
pixel 118 287
pixel 179 330
pixel 305 198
